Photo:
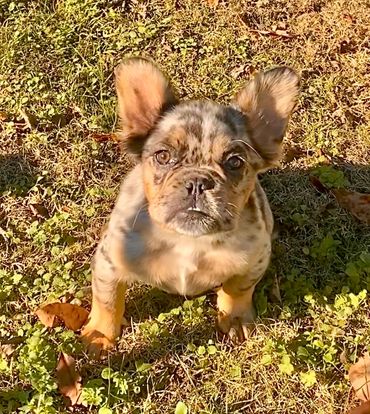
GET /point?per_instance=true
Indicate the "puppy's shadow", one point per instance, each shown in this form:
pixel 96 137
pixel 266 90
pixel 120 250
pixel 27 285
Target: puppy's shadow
pixel 17 174
pixel 306 217
pixel 144 302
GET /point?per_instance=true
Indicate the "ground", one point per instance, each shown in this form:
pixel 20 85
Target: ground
pixel 60 173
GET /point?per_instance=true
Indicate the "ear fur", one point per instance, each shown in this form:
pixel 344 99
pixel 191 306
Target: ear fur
pixel 267 101
pixel 143 95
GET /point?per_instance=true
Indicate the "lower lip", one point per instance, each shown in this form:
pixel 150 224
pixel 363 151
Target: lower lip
pixel 196 213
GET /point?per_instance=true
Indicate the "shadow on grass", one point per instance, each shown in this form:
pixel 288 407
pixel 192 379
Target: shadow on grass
pixel 317 238
pixel 17 175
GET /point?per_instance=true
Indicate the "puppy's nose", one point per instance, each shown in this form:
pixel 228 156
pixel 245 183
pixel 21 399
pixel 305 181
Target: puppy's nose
pixel 197 186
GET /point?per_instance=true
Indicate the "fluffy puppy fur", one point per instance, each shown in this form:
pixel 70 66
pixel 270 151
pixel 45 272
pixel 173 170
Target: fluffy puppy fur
pixel 191 216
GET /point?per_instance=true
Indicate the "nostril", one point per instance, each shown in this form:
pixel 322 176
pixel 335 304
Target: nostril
pixel 199 186
pixel 189 186
pixel 208 184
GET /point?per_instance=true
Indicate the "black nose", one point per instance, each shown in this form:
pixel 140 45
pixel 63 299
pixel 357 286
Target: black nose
pixel 197 186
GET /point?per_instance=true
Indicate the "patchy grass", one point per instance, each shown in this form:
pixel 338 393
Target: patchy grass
pixel 58 185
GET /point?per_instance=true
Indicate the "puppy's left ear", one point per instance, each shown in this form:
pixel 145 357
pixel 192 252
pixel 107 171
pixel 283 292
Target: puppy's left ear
pixel 267 102
pixel 143 95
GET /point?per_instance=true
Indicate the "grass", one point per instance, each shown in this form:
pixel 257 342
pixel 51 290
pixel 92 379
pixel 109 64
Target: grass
pixel 58 185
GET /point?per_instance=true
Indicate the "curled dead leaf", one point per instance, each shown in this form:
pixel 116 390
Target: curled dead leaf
pixel 357 204
pixel 274 33
pixel 68 379
pixel 3 116
pixel 320 187
pixel 293 152
pixel 359 376
pixel 7 349
pixel 73 316
pixel 39 210
pixel 103 137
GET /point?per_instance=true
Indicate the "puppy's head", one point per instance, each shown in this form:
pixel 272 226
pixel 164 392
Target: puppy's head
pixel 200 159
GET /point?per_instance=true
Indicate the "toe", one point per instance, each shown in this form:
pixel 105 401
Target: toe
pixel 96 343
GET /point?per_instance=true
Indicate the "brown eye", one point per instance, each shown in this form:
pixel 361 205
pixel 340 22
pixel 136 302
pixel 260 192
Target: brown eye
pixel 234 163
pixel 162 157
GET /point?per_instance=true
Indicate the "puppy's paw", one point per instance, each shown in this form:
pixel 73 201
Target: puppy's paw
pixel 237 327
pixel 96 343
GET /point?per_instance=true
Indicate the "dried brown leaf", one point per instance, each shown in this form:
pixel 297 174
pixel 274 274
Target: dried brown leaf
pixel 7 349
pixel 103 137
pixel 320 187
pixel 39 210
pixel 68 379
pixel 293 153
pixel 29 119
pixel 359 375
pixel 358 204
pixel 3 116
pixel 276 33
pixel 73 316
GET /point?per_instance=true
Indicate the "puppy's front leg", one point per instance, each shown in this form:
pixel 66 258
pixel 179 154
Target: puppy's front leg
pixel 236 312
pixel 108 305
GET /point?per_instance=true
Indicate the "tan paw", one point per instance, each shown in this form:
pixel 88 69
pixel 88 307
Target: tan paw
pixel 96 343
pixel 238 328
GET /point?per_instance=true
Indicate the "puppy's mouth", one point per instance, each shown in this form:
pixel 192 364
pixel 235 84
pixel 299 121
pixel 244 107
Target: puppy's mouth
pixel 197 210
pixel 193 221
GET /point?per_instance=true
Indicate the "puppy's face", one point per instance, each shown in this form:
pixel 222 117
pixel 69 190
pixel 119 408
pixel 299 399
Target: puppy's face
pixel 198 170
pixel 200 159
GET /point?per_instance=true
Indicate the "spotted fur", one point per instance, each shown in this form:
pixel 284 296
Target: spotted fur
pixel 191 216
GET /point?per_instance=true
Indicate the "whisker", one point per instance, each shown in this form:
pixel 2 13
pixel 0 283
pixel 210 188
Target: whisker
pixel 137 214
pixel 249 146
pixel 229 212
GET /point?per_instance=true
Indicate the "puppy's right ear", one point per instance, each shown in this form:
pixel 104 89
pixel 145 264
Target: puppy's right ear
pixel 143 95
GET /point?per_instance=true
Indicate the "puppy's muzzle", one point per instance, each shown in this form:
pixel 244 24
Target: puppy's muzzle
pixel 198 185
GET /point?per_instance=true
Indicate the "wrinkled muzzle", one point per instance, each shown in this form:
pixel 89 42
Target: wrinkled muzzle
pixel 194 202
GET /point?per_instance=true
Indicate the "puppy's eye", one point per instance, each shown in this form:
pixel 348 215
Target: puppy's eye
pixel 234 163
pixel 162 157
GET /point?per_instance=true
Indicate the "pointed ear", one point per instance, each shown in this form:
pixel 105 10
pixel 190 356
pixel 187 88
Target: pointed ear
pixel 143 95
pixel 267 102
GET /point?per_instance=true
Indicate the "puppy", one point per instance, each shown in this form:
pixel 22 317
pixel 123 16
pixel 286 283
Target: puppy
pixel 191 216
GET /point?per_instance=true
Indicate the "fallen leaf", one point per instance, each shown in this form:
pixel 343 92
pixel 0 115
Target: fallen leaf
pixel 359 376
pixel 68 379
pixel 6 349
pixel 320 187
pixel 103 137
pixel 213 3
pixel 362 409
pixel 3 116
pixel 293 153
pixel 73 316
pixel 358 204
pixel 29 119
pixel 39 210
pixel 276 33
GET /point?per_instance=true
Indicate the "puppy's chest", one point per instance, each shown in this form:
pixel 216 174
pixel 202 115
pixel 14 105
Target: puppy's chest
pixel 189 270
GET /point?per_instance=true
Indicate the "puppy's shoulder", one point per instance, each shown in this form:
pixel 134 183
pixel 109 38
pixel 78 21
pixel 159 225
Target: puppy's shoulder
pixel 130 201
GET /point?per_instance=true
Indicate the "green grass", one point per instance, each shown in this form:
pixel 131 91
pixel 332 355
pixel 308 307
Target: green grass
pixel 58 186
